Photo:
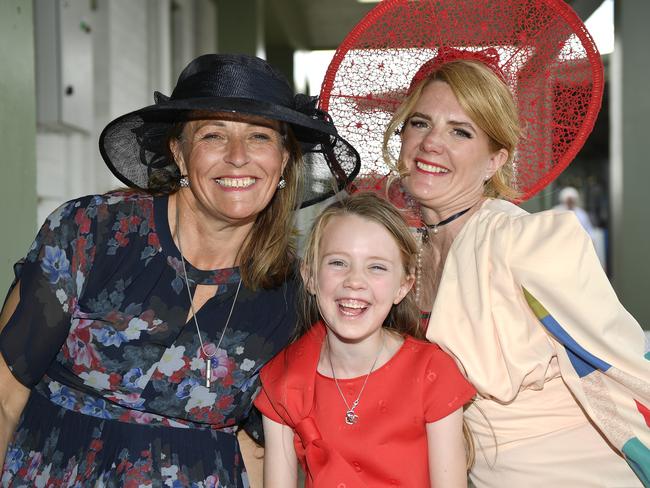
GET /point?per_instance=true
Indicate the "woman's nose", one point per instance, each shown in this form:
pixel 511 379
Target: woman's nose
pixel 236 153
pixel 432 141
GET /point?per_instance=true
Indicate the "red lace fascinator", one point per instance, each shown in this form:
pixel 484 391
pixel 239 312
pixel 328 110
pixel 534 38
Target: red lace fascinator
pixel 539 48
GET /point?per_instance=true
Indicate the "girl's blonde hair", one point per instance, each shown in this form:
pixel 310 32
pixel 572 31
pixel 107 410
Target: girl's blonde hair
pixel 487 100
pixel 404 317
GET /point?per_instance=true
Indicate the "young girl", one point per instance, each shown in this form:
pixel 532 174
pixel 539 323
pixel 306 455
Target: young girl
pixel 357 399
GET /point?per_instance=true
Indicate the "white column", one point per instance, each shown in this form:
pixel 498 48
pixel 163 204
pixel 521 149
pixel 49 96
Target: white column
pixel 630 164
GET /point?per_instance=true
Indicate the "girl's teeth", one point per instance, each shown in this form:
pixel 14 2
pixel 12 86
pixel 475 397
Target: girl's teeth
pixel 353 304
pixel 429 168
pixel 235 182
pixel 352 307
pixel 353 312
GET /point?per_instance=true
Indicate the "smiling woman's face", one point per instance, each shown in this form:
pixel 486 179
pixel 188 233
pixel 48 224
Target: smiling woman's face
pixel 445 154
pixel 233 164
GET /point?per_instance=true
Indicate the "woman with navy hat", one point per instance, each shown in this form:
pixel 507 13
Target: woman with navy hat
pixel 138 321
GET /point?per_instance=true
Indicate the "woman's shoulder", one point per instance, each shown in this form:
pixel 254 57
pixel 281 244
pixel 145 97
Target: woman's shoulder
pixel 125 200
pixel 113 197
pixel 282 296
pixel 110 202
pixel 498 209
pixel 505 233
pixel 112 219
pixel 507 219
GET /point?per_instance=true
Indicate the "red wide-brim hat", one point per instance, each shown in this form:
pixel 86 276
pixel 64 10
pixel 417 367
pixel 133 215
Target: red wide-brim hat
pixel 540 48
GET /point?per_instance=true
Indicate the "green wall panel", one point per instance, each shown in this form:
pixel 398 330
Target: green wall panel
pixel 17 135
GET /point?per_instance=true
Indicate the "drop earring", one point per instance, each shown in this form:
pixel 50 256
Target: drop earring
pixel 282 183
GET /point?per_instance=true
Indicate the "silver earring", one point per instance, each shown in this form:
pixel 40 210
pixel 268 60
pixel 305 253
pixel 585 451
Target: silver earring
pixel 184 182
pixel 487 177
pixel 282 183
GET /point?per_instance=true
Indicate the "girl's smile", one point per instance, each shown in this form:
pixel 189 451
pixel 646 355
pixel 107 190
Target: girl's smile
pixel 360 277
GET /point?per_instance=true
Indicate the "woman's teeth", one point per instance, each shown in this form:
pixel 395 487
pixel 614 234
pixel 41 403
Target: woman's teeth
pixel 235 182
pixel 429 168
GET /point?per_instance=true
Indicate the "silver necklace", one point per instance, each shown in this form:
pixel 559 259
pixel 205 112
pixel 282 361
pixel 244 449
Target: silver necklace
pixel 351 418
pixel 208 357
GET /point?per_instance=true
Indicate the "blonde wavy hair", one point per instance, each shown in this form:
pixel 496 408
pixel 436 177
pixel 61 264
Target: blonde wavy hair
pixel 487 100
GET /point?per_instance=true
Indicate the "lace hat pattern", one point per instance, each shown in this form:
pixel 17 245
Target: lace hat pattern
pixel 540 48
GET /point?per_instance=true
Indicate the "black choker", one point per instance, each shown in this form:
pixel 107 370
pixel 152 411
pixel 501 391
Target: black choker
pixel 434 227
pixel 424 230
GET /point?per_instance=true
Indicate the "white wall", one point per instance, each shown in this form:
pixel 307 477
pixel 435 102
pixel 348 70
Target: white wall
pixel 136 50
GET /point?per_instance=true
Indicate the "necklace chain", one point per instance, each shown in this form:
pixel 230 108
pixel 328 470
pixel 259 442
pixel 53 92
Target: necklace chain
pixel 424 233
pixel 351 417
pixel 208 357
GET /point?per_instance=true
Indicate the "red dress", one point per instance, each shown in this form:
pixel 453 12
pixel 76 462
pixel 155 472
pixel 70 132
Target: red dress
pixel 388 445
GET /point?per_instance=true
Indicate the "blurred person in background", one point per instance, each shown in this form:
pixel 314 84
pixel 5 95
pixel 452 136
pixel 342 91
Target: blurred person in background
pixel 569 199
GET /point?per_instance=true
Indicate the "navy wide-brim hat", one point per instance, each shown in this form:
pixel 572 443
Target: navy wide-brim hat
pixel 135 144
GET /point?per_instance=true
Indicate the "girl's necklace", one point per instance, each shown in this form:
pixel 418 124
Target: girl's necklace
pixel 206 356
pixel 351 417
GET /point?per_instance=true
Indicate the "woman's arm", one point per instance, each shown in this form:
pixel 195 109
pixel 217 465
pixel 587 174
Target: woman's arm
pixel 280 462
pixel 599 345
pixel 13 395
pixel 447 461
pixel 253 456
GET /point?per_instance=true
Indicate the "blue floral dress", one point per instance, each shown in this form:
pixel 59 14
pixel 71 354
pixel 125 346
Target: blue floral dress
pixel 119 396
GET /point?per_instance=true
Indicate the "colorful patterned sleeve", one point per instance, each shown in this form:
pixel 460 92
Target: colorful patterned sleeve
pixel 50 278
pixel 600 346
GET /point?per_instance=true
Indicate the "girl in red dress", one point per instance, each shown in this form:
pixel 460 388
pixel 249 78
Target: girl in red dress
pixel 357 399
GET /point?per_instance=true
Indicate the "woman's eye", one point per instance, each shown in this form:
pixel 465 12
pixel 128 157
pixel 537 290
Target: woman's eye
pixel 260 136
pixel 418 123
pixel 212 135
pixel 463 133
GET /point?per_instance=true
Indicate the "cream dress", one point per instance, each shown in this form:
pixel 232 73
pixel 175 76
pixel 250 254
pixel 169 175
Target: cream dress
pixel 563 384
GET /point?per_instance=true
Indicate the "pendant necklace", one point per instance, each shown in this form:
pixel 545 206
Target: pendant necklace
pixel 424 231
pixel 207 357
pixel 351 418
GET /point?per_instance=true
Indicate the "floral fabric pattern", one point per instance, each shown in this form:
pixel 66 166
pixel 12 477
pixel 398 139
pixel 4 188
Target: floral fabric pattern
pixel 109 309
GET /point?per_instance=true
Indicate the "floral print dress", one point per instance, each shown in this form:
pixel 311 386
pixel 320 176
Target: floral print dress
pixel 119 395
